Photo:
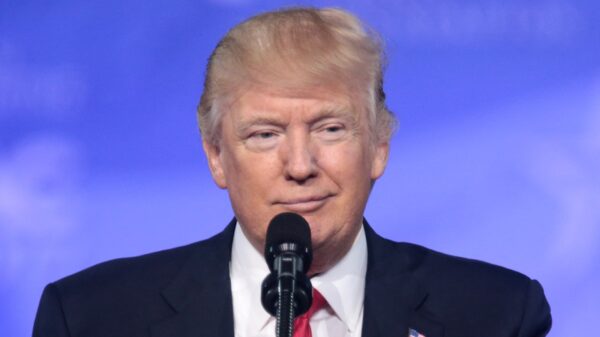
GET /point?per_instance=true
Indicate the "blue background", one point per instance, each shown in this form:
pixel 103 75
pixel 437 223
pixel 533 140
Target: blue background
pixel 497 156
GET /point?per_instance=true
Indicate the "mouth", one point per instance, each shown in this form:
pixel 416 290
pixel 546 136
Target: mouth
pixel 304 205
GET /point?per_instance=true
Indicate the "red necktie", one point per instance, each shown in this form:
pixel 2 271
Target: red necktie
pixel 302 322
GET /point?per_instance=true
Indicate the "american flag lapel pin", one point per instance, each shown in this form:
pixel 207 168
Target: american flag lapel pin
pixel 414 333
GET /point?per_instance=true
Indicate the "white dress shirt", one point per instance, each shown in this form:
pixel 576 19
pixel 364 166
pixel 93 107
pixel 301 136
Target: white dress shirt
pixel 343 286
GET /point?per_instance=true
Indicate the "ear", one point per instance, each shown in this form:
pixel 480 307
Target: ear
pixel 380 158
pixel 215 163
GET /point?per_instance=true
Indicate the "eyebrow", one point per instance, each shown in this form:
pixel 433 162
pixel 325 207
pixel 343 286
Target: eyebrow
pixel 333 112
pixel 340 111
pixel 261 120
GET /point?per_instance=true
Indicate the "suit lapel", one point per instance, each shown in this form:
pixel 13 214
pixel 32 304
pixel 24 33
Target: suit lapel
pixel 393 294
pixel 200 294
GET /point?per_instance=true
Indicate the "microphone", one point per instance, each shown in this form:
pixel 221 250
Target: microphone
pixel 287 292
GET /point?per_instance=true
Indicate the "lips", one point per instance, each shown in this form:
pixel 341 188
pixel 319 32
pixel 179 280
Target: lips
pixel 305 204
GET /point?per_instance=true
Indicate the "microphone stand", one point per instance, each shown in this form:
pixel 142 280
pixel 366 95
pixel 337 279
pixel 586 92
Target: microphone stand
pixel 286 288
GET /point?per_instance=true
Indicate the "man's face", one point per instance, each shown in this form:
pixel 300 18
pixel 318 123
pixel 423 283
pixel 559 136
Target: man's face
pixel 311 154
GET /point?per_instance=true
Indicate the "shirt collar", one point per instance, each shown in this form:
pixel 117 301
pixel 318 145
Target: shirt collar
pixel 343 286
pixel 248 268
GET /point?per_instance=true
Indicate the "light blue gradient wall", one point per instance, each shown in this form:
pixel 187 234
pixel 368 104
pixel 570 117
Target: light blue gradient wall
pixel 497 156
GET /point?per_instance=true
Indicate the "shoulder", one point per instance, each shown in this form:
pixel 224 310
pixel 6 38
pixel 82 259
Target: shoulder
pixel 468 293
pixel 433 267
pixel 140 279
pixel 93 301
pixel 467 296
pixel 153 269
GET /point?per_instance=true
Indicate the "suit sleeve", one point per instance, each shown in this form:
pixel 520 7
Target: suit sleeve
pixel 50 319
pixel 536 320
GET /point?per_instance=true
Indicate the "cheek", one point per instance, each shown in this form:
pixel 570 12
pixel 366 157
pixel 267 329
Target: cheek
pixel 349 162
pixel 250 174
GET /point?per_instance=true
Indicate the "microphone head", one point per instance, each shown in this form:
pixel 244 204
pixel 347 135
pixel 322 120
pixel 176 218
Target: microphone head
pixel 288 227
pixel 288 232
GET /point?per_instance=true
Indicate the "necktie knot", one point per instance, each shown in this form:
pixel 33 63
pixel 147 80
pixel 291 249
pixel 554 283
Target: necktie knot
pixel 302 322
pixel 318 303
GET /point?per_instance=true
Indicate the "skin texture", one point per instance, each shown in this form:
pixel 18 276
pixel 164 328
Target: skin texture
pixel 309 153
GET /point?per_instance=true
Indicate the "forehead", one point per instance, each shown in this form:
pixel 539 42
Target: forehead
pixel 313 100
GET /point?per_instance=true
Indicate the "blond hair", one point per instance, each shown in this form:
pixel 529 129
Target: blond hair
pixel 296 49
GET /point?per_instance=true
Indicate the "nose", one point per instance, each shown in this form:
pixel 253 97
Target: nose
pixel 299 158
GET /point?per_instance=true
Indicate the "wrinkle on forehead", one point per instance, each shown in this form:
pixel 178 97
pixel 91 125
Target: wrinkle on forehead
pixel 338 94
pixel 273 108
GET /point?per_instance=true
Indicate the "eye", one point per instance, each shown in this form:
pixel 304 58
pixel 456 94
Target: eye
pixel 262 140
pixel 333 128
pixel 263 135
pixel 332 131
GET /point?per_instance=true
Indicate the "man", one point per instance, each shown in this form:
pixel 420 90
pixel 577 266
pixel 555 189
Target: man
pixel 293 119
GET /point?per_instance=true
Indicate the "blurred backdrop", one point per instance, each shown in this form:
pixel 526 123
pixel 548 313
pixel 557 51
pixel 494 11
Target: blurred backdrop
pixel 497 156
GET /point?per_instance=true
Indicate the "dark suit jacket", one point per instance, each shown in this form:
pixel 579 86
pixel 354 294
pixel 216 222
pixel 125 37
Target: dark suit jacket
pixel 185 292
